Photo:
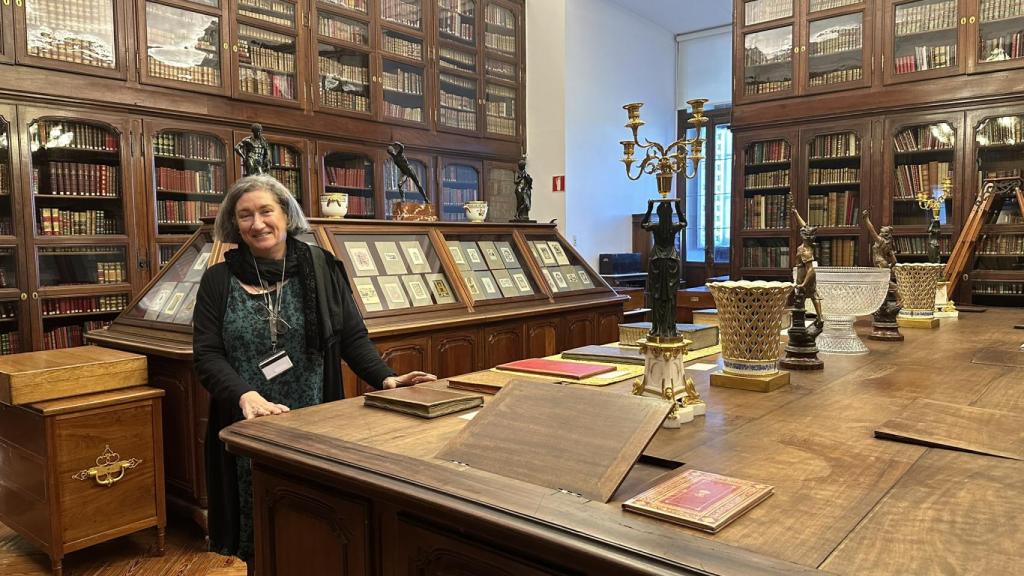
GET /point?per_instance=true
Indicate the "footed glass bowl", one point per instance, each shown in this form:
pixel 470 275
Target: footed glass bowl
pixel 845 294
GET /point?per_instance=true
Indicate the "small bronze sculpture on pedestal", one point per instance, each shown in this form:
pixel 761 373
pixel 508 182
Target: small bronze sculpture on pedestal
pixel 403 210
pixel 663 266
pixel 801 351
pixel 255 152
pixel 524 193
pixel 883 324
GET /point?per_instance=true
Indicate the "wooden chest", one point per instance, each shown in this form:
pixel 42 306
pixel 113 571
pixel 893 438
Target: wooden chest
pixel 81 470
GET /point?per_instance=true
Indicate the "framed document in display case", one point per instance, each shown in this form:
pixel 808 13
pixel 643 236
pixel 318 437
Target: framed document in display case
pixel 488 285
pixel 491 256
pixel 394 294
pixel 440 288
pixel 458 256
pixel 390 257
pixel 360 259
pixel 497 269
pixel 367 294
pixel 473 256
pixel 505 283
pixel 417 290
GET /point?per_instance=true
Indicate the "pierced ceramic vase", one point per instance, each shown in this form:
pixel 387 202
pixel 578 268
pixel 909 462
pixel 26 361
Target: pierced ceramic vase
pixel 750 315
pixel 916 284
pixel 848 292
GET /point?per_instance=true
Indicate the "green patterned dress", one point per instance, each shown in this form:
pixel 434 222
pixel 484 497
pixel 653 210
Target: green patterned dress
pixel 247 329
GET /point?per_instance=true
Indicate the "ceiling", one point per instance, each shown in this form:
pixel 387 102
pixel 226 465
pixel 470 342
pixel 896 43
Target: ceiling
pixel 681 16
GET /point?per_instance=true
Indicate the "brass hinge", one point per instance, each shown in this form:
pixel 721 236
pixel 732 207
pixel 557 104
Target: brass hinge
pixel 131 143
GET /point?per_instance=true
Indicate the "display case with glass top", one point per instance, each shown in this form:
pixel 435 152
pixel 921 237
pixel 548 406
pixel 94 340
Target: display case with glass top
pixel 562 268
pixel 492 267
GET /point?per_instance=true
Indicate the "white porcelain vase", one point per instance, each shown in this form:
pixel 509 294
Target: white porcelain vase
pixel 476 210
pixel 334 205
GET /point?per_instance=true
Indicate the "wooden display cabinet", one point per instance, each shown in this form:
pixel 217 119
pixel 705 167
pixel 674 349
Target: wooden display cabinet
pixel 268 54
pixel 923 39
pixel 171 56
pixel 836 45
pixel 58 34
pixel 402 85
pixel 14 330
pixel 502 53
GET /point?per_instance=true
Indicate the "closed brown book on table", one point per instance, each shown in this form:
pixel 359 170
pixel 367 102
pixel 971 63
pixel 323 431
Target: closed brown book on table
pixel 422 401
pixel 488 381
pixel 700 500
pixel 612 354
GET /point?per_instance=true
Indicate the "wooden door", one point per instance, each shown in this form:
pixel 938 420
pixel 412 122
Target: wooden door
pixel 503 343
pixel 186 44
pixel 502 51
pixel 767 66
pixel 269 52
pixel 6 32
pixel 995 35
pixel 77 221
pixel 542 337
pixel 456 352
pixel 923 39
pixel 403 87
pixel 91 38
pixel 580 329
pixel 836 45
pixel 457 28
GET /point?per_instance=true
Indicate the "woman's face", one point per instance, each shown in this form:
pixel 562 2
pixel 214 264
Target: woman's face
pixel 262 224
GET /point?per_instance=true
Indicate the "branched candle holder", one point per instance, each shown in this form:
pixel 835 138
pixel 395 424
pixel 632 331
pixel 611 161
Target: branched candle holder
pixel 927 201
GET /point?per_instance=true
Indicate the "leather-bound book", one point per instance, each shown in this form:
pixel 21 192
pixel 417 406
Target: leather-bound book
pixel 559 368
pixel 422 401
pixel 614 354
pixel 699 500
pixel 700 335
pixel 487 381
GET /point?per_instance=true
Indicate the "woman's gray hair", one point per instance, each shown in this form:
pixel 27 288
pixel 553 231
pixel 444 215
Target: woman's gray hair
pixel 225 228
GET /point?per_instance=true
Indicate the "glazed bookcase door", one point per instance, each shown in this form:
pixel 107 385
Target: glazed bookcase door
pixel 995 35
pixel 6 32
pixel 460 182
pixel 770 55
pixel 77 221
pixel 344 70
pixel 83 36
pixel 763 186
pixel 423 166
pixel 501 191
pixel 350 170
pixel 402 82
pixel 923 39
pixel 188 172
pixel 996 147
pixel 836 172
pixel 14 331
pixel 186 44
pixel 268 56
pixel 459 103
pixel 502 47
pixel 920 150
pixel 10 171
pixel 289 164
pixel 835 52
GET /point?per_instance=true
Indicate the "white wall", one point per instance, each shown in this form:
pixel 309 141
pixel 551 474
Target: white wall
pixel 613 57
pixel 704 67
pixel 545 103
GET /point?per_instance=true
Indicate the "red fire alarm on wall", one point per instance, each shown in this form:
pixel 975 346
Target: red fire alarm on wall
pixel 558 183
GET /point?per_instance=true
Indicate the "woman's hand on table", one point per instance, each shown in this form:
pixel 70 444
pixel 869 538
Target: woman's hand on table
pixel 408 379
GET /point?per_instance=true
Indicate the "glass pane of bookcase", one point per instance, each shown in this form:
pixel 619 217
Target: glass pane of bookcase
pixel 78 31
pixel 266 62
pixel 182 45
pixel 491 266
pixel 836 50
pixel 501 110
pixel 924 157
pixel 400 44
pixel 768 61
pixel 458 102
pixel 76 178
pixel 344 29
pixel 190 179
pixel 394 271
pixel 10 337
pixel 455 59
pixel 500 69
pixel 500 31
pixel 1000 146
pixel 351 173
pixel 766 253
pixel 66 320
pixel 1001 30
pixel 344 78
pixel 272 11
pixel 403 91
pixel 8 268
pixel 456 20
pixel 82 265
pixel 286 167
pixel 6 181
pixel 758 11
pixel 822 5
pixel 766 187
pixel 173 298
pixel 392 177
pixel 354 5
pixel 167 251
pixel 914 248
pixel 501 194
pixel 405 12
pixel 833 180
pixel 460 183
pixel 925 35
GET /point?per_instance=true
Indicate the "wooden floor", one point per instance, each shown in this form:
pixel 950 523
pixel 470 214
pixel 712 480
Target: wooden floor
pixel 129 556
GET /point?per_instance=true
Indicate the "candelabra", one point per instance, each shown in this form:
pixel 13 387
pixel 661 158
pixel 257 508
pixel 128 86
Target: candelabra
pixel 944 307
pixel 664 349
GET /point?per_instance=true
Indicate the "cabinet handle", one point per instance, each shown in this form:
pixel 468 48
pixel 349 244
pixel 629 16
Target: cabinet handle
pixel 796 49
pixel 225 45
pixel 972 20
pixel 803 48
pixel 963 21
pixel 234 48
pixel 7 2
pixel 35 295
pixel 18 3
pixel 24 296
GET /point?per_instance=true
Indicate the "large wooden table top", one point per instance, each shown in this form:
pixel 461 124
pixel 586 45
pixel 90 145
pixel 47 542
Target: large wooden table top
pixel 844 501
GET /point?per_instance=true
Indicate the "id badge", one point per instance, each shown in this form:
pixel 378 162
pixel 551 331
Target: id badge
pixel 275 364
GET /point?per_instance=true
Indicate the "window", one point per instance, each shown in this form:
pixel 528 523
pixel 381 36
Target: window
pixel 709 222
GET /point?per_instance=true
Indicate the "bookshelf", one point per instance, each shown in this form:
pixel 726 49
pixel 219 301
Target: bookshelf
pixel 923 156
pixel 408 13
pixel 266 64
pixel 501 191
pixel 183 46
pixel 404 91
pixel 763 193
pixel 351 171
pixel 767 63
pixel 344 80
pixel 460 183
pixel 422 166
pixel 834 52
pixel 924 39
pixel 84 36
pixel 457 104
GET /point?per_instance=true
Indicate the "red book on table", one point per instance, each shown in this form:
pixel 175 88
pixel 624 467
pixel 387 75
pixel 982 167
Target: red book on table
pixel 560 368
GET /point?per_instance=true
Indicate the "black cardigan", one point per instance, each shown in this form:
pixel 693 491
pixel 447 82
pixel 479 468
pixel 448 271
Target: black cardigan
pixel 344 337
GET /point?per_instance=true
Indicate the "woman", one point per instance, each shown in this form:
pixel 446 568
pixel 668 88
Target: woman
pixel 271 325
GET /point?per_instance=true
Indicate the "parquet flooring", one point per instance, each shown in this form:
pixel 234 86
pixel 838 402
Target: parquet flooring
pixel 186 555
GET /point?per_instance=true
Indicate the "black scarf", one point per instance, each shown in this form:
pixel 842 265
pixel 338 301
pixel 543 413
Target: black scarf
pixel 299 265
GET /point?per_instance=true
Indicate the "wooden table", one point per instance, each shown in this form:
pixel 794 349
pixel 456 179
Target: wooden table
pixel 344 489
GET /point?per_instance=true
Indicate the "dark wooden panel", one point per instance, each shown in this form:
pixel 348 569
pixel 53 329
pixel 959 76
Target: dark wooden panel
pixel 579 329
pixel 456 352
pixel 180 446
pixel 308 531
pixel 503 343
pixel 608 326
pixel 542 337
pixel 22 428
pixel 958 427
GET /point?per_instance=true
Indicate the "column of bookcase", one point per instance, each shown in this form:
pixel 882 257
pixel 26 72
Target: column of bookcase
pixel 501 46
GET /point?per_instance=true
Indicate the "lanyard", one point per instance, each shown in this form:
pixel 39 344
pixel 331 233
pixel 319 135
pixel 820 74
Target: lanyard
pixel 277 324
